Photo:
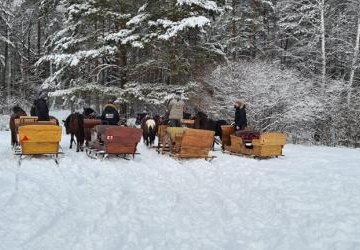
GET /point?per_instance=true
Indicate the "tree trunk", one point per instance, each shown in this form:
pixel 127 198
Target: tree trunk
pixel 233 30
pixel 6 58
pixel 323 52
pixel 353 64
pixel 38 38
pixel 8 89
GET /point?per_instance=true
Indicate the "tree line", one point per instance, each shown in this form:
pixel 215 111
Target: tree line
pixel 141 50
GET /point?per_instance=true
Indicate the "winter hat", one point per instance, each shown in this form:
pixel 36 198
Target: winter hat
pixel 240 103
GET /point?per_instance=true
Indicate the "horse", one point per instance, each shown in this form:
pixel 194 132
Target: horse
pixel 186 115
pixel 149 127
pixel 17 112
pixel 203 122
pixel 140 117
pixel 89 113
pixel 74 125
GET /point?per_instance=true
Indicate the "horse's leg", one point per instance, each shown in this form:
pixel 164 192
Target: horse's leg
pixel 77 143
pixel 71 140
pixel 13 139
pixel 81 145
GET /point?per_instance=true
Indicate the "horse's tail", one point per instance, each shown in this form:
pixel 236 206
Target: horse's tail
pixel 151 135
pixel 151 126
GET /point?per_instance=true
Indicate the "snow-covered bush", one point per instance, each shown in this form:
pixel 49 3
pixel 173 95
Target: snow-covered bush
pixel 276 99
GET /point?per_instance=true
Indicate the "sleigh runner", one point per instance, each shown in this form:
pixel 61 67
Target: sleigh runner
pixel 113 140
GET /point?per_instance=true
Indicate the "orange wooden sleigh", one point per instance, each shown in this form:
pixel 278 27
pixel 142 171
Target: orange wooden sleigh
pixel 269 144
pixel 37 138
pixel 187 143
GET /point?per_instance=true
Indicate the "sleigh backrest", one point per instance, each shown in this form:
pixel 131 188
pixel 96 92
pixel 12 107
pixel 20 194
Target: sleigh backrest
pixel 39 139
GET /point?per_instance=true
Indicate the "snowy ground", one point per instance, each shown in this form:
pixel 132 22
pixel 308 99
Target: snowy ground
pixel 309 199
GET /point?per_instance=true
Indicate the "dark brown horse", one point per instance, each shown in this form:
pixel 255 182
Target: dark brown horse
pixel 17 112
pixel 74 125
pixel 203 122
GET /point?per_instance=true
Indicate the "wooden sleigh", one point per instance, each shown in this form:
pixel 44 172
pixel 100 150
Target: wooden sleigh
pixel 38 139
pixel 188 143
pixel 268 144
pixel 113 140
pixel 162 132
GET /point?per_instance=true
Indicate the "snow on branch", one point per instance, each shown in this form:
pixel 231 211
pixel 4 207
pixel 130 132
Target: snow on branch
pixel 137 19
pixel 173 28
pixel 5 40
pixel 149 93
pixel 74 59
pixel 205 4
pixel 152 93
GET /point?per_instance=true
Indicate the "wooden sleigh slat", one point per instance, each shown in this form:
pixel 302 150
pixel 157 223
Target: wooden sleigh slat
pixel 33 120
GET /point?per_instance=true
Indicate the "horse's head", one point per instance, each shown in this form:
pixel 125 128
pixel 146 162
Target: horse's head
pixel 18 111
pixel 200 120
pixel 89 113
pixel 202 115
pixel 67 124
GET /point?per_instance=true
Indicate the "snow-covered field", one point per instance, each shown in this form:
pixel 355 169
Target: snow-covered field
pixel 309 199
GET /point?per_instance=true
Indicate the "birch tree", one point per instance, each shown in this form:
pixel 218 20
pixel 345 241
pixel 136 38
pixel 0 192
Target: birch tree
pixel 354 61
pixel 323 48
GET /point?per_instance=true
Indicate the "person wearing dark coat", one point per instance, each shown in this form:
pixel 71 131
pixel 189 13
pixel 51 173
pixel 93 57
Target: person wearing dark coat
pixel 40 108
pixel 240 115
pixel 110 115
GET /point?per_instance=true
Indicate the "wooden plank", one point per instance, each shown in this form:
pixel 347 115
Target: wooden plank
pixel 27 119
pixel 39 148
pixel 187 123
pixel 226 131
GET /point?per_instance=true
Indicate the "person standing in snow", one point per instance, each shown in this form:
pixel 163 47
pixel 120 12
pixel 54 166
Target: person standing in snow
pixel 110 115
pixel 176 110
pixel 240 115
pixel 40 107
